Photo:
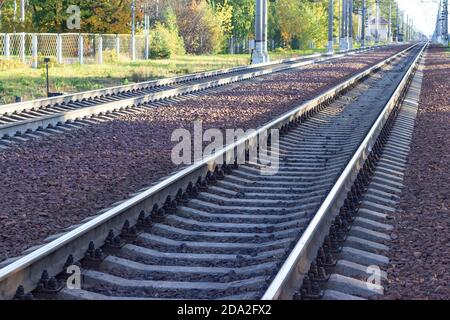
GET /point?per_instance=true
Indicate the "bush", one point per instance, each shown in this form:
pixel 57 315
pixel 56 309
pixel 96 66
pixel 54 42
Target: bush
pixel 201 30
pixel 165 42
pixel 110 56
pixel 280 50
pixel 10 64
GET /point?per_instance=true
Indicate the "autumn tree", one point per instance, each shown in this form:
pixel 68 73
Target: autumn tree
pixel 105 16
pixel 108 16
pixel 198 26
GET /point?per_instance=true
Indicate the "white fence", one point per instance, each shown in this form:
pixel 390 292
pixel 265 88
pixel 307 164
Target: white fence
pixel 73 47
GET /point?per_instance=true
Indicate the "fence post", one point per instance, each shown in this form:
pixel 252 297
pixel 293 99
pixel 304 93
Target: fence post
pixel 118 47
pixel 22 47
pixel 80 49
pixel 100 50
pixel 7 46
pixel 59 49
pixel 147 45
pixel 34 50
pixel 133 47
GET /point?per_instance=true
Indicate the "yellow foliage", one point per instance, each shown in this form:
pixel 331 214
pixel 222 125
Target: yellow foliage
pixel 224 14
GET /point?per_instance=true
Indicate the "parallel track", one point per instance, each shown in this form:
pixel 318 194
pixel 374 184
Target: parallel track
pixel 365 251
pixel 22 121
pixel 234 233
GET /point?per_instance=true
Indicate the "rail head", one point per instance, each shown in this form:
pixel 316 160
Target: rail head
pixel 289 278
pixel 26 271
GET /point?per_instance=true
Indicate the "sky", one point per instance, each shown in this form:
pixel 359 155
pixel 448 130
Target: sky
pixel 423 13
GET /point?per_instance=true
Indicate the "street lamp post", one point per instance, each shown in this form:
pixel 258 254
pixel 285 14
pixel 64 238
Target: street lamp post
pixel 46 61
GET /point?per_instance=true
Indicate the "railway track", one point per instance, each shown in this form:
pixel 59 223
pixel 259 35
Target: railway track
pixel 226 232
pixel 364 254
pixel 20 122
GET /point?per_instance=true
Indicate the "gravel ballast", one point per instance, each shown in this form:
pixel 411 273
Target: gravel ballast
pixel 420 254
pixel 52 183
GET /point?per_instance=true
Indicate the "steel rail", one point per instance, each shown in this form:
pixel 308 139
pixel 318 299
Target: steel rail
pixel 13 108
pixel 289 278
pixel 27 270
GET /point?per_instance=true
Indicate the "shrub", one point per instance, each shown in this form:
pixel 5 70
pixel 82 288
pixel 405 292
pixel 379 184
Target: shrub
pixel 110 56
pixel 280 50
pixel 165 42
pixel 200 28
pixel 10 64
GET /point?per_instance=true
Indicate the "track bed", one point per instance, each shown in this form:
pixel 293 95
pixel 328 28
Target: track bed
pixel 420 254
pixel 50 184
pixel 230 240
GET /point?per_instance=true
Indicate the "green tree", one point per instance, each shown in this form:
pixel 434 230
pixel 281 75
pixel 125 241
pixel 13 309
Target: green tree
pixel 243 12
pixel 164 37
pixel 301 22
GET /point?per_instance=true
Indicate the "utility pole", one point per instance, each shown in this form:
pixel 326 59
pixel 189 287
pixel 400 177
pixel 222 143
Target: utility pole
pixel 330 25
pixel 390 22
pixel 22 11
pixel 445 22
pixel 350 24
pixel 343 40
pixel 260 54
pixel 146 11
pixel 408 28
pixel 377 22
pixel 340 18
pixel 411 32
pixel 438 31
pixel 133 17
pixel 133 30
pixel 264 30
pixel 363 26
pixel 397 26
pixel 404 27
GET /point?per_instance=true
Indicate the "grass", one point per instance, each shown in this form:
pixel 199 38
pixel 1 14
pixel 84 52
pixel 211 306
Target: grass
pixel 286 54
pixel 20 80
